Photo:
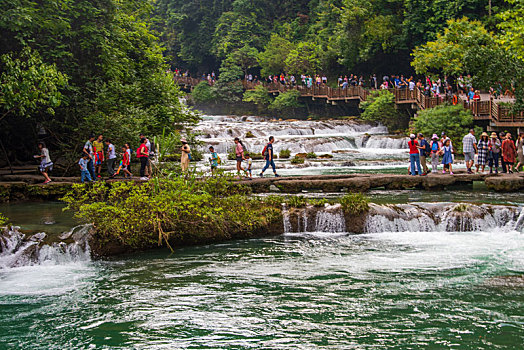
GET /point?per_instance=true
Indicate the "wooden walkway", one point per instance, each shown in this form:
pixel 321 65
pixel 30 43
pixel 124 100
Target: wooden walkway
pixel 497 114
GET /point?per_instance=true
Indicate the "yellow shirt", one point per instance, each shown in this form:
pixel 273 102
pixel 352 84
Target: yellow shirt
pixel 98 146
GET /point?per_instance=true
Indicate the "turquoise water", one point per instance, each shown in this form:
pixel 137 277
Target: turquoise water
pixel 386 290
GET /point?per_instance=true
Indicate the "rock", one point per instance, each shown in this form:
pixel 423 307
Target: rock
pixel 348 164
pixel 325 156
pixel 505 183
pixel 38 237
pixel 301 155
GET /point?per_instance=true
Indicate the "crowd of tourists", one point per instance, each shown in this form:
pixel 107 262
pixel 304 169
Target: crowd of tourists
pixel 489 151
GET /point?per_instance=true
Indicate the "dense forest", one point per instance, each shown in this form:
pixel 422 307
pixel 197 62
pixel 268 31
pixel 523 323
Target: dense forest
pixel 69 68
pixel 336 36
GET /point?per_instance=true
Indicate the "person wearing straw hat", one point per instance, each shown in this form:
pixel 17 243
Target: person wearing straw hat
pixel 482 148
pixel 184 157
pixel 494 146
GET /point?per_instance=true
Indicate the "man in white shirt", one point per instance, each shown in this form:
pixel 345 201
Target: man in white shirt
pixel 111 158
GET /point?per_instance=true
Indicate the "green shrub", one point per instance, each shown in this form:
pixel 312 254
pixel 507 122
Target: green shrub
pixel 311 155
pixel 259 96
pixel 297 160
pixel 249 135
pixel 286 100
pixel 3 220
pixel 202 93
pixel 296 201
pixel 164 211
pixel 380 108
pixel 354 203
pixel 284 154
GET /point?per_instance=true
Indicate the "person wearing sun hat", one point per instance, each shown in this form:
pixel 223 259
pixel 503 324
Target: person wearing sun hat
pixel 494 146
pixel 482 148
pixel 435 146
pixel 184 157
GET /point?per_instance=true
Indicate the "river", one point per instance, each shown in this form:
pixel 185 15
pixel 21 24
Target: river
pixel 397 286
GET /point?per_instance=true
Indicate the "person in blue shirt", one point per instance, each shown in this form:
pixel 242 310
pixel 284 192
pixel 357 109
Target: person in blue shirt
pixel 268 154
pixel 424 152
pixel 471 94
pixel 84 170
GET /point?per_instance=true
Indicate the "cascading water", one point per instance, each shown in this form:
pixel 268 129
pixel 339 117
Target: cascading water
pixel 427 217
pixel 16 249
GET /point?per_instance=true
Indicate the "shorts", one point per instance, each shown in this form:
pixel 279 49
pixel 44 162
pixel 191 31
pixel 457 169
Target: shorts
pixel 469 156
pixel 239 159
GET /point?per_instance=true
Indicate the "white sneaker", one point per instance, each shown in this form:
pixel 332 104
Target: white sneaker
pixel 144 178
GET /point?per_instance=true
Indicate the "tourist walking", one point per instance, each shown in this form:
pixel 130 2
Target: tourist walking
pixel 414 155
pixel 494 148
pixel 46 165
pixel 520 151
pixel 268 156
pixel 509 153
pixel 98 148
pixel 469 148
pixel 239 155
pixel 142 153
pixel 213 160
pixel 435 149
pixel 502 137
pixel 125 164
pixel 149 166
pixel 249 165
pixel 88 149
pixel 185 156
pixel 111 158
pixel 447 156
pixel 482 148
pixel 425 152
pixel 85 174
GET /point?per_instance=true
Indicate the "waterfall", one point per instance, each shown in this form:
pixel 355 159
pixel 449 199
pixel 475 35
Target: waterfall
pixel 448 217
pixel 329 219
pixel 285 216
pixel 16 249
pixel 519 225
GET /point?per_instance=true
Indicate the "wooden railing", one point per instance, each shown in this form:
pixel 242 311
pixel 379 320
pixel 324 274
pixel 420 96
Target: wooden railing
pixel 481 110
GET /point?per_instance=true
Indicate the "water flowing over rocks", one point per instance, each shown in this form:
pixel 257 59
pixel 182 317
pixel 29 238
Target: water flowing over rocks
pixel 18 249
pixel 423 217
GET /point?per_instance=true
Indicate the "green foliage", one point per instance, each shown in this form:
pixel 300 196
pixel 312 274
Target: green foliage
pixel 284 154
pixel 288 99
pixel 28 85
pixel 380 108
pixel 461 208
pixel 311 155
pixel 117 82
pixel 272 59
pixel 512 27
pixel 168 211
pixel 259 96
pixel 454 120
pixel 304 58
pixel 249 135
pixel 202 93
pixel 296 201
pixel 354 203
pixel 297 160
pixel 4 221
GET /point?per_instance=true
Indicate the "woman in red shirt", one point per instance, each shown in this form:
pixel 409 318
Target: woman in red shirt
pixel 509 153
pixel 414 155
pixel 142 153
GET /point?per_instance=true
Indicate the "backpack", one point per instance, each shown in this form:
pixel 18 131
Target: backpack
pixel 427 148
pixel 264 151
pixel 219 161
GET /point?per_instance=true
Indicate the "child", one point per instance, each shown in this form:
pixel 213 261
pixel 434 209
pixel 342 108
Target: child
pixel 447 158
pixel 126 160
pixel 84 172
pixel 435 149
pixel 213 160
pixel 249 163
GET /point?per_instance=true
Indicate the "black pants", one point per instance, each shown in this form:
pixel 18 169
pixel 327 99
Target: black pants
pixel 111 166
pixel 143 164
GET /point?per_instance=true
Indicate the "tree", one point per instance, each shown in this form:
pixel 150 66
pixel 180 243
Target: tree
pixel 380 108
pixel 453 120
pixel 28 85
pixel 202 93
pixel 272 59
pixel 286 100
pixel 512 26
pixel 305 58
pixel 245 57
pixel 259 96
